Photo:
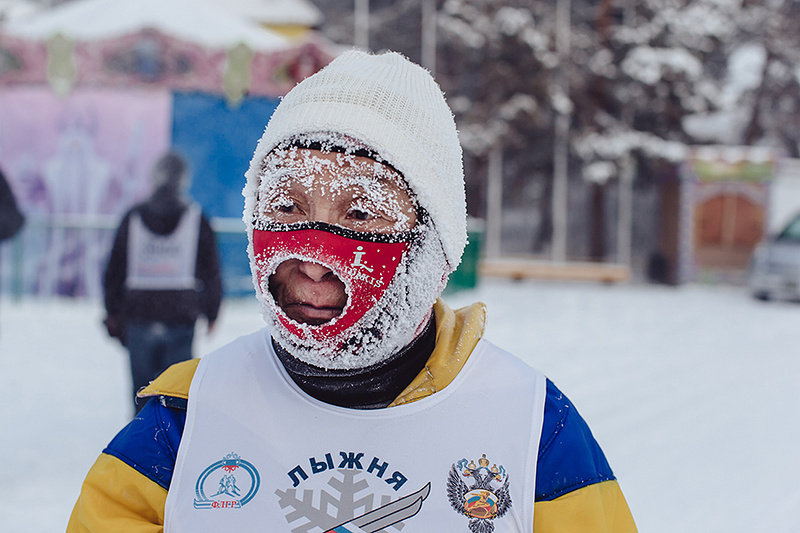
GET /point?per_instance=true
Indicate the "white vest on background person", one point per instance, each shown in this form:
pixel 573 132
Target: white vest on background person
pixel 163 262
pixel 259 454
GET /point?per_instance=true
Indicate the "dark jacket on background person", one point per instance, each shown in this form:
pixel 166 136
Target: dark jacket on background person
pixel 11 218
pixel 161 216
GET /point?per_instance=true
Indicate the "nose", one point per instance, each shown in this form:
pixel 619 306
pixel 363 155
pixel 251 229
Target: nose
pixel 323 211
pixel 314 271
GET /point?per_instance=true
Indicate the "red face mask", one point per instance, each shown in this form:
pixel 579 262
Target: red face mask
pixel 365 262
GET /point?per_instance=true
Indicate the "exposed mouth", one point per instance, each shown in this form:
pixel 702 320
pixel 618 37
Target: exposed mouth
pixel 306 313
pixel 308 293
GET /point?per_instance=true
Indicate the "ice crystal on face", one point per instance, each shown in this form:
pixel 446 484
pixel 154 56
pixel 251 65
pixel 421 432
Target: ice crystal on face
pixel 389 325
pixel 355 184
pixel 333 508
pixel 369 188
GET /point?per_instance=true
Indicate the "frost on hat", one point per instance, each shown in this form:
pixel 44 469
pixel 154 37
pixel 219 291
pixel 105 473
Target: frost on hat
pixel 395 108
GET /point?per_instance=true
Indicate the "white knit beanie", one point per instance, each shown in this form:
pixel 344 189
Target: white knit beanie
pixel 397 109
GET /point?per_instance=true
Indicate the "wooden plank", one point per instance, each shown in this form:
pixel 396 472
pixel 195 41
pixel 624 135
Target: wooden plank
pixel 516 268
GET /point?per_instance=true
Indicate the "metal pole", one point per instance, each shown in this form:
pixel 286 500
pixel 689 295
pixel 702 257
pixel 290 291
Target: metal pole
pixel 494 201
pixel 625 216
pixel 361 24
pixel 561 142
pixel 429 35
pixel 627 174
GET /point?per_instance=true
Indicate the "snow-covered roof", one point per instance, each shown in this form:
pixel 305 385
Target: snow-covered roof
pixel 277 12
pixel 206 22
pixel 11 9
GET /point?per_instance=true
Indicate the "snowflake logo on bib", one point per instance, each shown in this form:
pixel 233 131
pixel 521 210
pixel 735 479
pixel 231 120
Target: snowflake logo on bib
pixel 485 498
pixel 352 511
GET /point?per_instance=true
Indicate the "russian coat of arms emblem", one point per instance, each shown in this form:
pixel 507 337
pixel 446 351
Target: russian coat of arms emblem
pixel 479 492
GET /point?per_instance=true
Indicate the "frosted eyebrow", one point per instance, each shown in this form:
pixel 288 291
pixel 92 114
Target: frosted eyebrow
pixel 283 168
pixel 382 173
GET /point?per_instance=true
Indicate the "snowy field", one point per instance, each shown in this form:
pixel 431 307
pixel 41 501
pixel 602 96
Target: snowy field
pixel 693 392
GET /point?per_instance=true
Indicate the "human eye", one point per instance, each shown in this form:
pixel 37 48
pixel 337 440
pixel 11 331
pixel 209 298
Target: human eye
pixel 285 207
pixel 280 207
pixel 362 211
pixel 360 215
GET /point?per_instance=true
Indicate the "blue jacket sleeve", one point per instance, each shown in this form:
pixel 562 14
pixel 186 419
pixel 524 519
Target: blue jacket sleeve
pixel 149 443
pixel 569 456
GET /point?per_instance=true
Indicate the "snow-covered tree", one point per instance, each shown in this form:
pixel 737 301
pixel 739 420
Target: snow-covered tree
pixel 644 79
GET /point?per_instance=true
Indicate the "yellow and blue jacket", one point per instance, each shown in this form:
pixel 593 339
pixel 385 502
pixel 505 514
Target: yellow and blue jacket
pixel 576 491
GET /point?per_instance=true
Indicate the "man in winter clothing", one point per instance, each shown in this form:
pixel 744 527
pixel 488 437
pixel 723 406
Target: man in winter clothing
pixel 11 218
pixel 163 273
pixel 367 404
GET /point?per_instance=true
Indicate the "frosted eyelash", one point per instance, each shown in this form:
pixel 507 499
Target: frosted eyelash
pixel 359 206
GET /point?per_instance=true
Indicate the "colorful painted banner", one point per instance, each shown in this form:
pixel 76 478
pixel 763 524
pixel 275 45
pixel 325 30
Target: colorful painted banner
pixel 77 162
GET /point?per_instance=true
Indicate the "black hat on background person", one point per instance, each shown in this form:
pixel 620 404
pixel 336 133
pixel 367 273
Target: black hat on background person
pixel 170 179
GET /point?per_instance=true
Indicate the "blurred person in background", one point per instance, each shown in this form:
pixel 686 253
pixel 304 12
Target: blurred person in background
pixel 163 273
pixel 11 218
pixel 367 404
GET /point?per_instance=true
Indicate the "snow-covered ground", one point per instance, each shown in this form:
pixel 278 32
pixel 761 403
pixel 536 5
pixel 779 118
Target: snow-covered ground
pixel 693 392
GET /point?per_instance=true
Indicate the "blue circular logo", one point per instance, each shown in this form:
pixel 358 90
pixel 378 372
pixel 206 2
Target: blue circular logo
pixel 226 484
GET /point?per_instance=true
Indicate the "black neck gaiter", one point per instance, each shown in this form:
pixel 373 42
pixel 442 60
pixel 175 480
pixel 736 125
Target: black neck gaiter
pixel 365 388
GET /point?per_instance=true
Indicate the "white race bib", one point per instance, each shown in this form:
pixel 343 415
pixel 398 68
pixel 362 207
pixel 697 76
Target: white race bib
pixel 258 454
pixel 166 262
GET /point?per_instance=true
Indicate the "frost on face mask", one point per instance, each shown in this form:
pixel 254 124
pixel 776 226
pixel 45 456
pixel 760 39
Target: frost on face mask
pixel 386 265
pixel 388 323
